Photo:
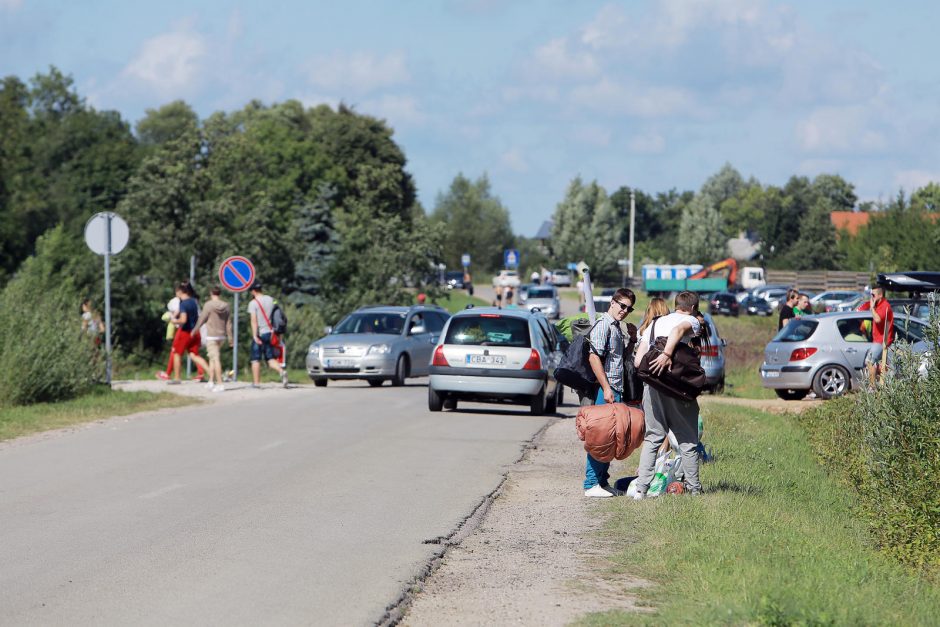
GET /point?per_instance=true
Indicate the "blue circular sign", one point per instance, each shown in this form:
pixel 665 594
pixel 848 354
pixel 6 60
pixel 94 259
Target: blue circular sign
pixel 237 274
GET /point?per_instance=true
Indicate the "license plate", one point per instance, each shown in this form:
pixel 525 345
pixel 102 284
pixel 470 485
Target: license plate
pixel 340 363
pixel 771 374
pixel 489 360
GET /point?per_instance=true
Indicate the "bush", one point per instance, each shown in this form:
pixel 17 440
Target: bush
pixel 44 356
pixel 305 324
pixel 886 444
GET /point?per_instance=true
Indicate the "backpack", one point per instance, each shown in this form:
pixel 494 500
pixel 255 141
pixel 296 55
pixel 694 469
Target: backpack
pixel 575 370
pixel 685 378
pixel 278 320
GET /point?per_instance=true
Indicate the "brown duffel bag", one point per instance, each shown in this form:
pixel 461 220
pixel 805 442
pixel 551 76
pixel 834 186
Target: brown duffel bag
pixel 685 378
pixel 611 431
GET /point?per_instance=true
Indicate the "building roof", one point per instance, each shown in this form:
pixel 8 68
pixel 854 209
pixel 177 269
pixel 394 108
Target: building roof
pixel 849 221
pixel 545 231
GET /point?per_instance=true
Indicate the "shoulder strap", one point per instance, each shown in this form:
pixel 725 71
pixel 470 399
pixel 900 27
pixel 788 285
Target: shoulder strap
pixel 263 313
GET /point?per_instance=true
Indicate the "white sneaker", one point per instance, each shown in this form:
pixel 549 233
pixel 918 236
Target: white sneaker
pixel 639 496
pixel 284 378
pixel 210 386
pixel 597 492
pixel 219 388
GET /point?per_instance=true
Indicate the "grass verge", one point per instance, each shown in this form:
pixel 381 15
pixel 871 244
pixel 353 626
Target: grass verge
pixel 457 301
pixel 774 542
pixel 102 403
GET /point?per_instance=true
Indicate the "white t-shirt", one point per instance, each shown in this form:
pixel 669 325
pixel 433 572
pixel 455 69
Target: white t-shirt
pixel 268 303
pixel 667 323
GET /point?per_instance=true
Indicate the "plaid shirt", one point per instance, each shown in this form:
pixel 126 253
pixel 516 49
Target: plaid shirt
pixel 607 343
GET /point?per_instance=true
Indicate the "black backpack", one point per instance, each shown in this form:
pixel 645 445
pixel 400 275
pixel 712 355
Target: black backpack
pixel 574 369
pixel 278 320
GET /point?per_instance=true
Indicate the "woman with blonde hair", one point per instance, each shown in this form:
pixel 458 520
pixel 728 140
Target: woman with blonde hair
pixel 656 308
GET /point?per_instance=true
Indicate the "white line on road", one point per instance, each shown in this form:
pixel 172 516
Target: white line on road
pixel 161 491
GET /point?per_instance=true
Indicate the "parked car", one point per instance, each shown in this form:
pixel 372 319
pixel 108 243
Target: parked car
pixel 497 356
pixel 826 353
pixel 774 295
pixel 377 344
pixel 713 358
pixel 756 306
pixel 561 278
pixel 828 301
pixel 506 278
pixel 545 298
pixel 723 303
pixel 453 280
pixel 852 304
pixel 917 307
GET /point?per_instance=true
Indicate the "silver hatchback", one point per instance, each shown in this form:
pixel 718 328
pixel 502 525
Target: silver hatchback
pixel 377 344
pixel 826 353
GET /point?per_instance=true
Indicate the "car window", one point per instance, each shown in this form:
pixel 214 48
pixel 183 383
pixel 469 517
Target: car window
pixel 488 330
pixel 417 320
pixel 541 292
pixel 797 330
pixel 391 323
pixel 548 338
pixel 909 330
pixel 854 329
pixel 435 322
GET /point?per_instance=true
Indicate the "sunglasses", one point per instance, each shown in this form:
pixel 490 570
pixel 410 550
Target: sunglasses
pixel 623 307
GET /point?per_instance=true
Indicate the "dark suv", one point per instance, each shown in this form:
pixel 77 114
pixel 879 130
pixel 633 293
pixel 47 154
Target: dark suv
pixel 724 303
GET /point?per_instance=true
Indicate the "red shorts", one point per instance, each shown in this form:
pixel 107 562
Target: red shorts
pixel 186 342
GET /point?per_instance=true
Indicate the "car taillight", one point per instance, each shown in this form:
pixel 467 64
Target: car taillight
pixel 800 354
pixel 535 361
pixel 439 359
pixel 709 351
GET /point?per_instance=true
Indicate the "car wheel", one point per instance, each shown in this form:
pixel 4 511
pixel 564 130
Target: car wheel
pixel 376 382
pixel 450 403
pixel 551 404
pixel 831 381
pixel 435 400
pixel 320 383
pixel 401 371
pixel 792 395
pixel 537 405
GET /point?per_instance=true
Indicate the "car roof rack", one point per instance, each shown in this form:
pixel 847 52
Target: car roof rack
pixel 914 282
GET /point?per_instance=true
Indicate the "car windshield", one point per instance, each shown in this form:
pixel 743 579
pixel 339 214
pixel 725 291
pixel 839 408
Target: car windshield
pixel 455 275
pixel 540 292
pixel 488 330
pixel 387 323
pixel 797 330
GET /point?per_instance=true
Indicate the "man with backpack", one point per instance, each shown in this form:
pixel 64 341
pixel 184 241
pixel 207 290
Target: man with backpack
pixel 606 360
pixel 265 341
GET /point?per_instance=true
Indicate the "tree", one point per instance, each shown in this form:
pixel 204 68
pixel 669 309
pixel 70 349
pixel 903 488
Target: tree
pixel 171 121
pixel 701 232
pixel 319 242
pixel 725 184
pixel 475 222
pixel 816 248
pixel 927 198
pixel 585 227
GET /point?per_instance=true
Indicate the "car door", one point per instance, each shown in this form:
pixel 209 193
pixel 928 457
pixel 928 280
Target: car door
pixel 420 344
pixel 855 342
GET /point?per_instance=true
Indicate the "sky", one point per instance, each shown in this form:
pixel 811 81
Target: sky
pixel 653 94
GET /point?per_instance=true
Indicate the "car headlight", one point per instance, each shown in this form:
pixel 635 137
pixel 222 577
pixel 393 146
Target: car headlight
pixel 379 349
pixel 314 349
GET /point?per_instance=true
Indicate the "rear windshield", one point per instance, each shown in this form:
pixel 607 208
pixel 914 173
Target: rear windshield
pixel 488 330
pixel 540 292
pixel 797 330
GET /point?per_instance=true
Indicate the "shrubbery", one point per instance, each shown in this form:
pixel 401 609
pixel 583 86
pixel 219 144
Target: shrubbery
pixel 886 444
pixel 44 356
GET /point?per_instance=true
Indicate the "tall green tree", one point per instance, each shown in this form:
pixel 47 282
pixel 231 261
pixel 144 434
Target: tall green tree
pixel 701 232
pixel 585 226
pixel 816 248
pixel 475 222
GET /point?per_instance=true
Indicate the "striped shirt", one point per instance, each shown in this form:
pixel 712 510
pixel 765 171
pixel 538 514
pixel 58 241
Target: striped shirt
pixel 607 343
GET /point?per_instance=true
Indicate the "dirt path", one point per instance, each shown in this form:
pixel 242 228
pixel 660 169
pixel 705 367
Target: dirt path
pixel 772 405
pixel 536 557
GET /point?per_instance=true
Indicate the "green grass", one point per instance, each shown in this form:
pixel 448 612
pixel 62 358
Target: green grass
pixel 457 301
pixel 774 541
pixel 103 403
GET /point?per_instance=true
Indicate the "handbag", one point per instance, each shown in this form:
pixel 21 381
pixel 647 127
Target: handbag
pixel 685 378
pixel 575 370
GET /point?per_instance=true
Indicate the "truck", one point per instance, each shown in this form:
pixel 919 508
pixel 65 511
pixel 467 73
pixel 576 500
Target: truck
pixel 660 279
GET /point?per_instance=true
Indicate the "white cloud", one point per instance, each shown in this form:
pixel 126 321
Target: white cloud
pixel 911 180
pixel 170 63
pixel 840 130
pixel 637 100
pixel 556 60
pixel 358 72
pixel 398 110
pixel 650 143
pixel 514 160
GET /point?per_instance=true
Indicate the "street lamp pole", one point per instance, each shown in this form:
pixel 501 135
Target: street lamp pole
pixel 632 221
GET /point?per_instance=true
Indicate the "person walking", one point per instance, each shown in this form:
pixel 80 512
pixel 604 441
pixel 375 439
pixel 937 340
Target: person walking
pixel 607 346
pixel 216 316
pixel 187 338
pixel 468 282
pixel 786 308
pixel 882 331
pixel 665 412
pixel 263 345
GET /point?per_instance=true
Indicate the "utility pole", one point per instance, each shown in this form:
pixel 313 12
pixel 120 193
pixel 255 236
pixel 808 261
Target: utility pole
pixel 632 220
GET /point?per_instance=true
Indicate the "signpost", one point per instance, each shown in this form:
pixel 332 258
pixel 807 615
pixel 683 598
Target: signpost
pixel 465 260
pixel 236 274
pixel 106 234
pixel 511 258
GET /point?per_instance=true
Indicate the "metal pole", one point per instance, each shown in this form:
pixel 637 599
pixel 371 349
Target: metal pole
pixel 632 220
pixel 235 342
pixel 192 276
pixel 107 299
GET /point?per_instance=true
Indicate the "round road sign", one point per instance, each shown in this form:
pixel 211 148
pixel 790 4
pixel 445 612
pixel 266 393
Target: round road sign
pixel 237 274
pixel 97 229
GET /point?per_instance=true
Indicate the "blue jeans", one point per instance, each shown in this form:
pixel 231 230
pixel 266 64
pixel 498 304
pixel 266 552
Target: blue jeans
pixel 595 472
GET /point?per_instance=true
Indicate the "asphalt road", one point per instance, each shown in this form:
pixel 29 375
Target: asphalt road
pixel 305 506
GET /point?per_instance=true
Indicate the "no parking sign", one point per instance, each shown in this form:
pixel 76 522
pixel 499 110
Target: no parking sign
pixel 236 274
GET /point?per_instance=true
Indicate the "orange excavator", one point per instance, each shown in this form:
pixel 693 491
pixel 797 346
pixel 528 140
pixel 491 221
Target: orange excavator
pixel 728 264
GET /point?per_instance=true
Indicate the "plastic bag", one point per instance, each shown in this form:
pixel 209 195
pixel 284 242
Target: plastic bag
pixel 665 473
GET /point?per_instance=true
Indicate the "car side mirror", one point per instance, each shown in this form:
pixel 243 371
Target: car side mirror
pixel 327 330
pixel 724 342
pixel 418 330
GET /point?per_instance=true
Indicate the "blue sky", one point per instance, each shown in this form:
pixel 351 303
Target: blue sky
pixel 655 94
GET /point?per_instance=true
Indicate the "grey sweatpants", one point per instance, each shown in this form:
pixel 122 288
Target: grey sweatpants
pixel 664 412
